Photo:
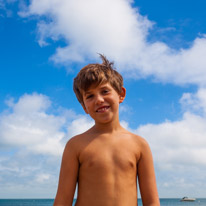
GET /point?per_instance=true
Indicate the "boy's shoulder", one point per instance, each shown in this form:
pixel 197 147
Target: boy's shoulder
pixel 135 137
pixel 138 141
pixel 77 141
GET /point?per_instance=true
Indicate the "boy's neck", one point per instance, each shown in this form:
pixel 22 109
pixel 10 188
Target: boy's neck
pixel 107 128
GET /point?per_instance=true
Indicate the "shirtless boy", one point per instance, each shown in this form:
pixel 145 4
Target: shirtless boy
pixel 106 160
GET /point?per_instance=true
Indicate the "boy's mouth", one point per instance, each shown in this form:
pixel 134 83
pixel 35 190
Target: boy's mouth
pixel 102 109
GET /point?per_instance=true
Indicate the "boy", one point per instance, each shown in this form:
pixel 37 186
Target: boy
pixel 106 160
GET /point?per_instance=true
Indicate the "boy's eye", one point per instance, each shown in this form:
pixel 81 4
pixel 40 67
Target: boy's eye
pixel 89 96
pixel 105 91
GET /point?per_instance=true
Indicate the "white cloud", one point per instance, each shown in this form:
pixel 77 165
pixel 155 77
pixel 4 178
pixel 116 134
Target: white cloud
pixel 41 178
pixel 120 32
pixel 79 125
pixel 90 27
pixel 29 125
pixel 195 102
pixel 178 143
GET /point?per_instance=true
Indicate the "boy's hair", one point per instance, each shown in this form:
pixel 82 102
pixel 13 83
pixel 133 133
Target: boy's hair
pixel 96 74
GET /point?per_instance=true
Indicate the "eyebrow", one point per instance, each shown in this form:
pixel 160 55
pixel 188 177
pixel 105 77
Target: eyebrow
pixel 101 87
pixel 87 92
pixel 104 87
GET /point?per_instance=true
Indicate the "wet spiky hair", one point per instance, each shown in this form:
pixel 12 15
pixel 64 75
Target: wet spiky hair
pixel 96 74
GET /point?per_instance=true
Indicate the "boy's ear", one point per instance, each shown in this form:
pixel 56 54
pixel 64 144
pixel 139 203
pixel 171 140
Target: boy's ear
pixel 84 108
pixel 122 95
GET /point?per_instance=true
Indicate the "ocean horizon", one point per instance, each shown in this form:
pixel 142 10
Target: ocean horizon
pixel 49 202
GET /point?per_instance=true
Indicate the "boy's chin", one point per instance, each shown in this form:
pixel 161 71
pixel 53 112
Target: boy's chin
pixel 103 121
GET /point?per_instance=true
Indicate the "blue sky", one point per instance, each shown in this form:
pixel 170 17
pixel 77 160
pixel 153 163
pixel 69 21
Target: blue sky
pixel 158 46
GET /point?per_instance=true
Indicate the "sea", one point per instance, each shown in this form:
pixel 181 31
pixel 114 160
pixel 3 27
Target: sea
pixel 49 202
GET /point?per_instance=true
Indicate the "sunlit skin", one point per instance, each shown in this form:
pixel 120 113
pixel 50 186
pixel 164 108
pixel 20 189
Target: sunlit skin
pixel 106 160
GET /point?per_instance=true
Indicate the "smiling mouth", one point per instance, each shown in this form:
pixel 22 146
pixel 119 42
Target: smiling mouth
pixel 102 109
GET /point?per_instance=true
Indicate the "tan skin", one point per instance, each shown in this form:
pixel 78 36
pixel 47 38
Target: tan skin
pixel 106 160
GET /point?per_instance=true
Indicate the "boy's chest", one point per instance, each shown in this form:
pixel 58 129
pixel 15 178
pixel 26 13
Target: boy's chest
pixel 109 157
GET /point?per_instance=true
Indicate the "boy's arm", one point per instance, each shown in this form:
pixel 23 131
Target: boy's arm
pixel 68 176
pixel 146 177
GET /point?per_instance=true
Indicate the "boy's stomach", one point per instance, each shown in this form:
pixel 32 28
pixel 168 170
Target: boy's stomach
pixel 108 190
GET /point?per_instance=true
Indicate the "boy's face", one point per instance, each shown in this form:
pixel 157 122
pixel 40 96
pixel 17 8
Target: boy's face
pixel 102 102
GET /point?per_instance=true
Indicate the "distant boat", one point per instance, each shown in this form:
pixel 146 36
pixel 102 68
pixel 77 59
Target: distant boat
pixel 187 199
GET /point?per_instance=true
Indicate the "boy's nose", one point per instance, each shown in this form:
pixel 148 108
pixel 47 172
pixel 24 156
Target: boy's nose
pixel 99 99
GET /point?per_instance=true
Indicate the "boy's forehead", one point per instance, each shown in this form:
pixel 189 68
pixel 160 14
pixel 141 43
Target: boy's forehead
pixel 94 86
